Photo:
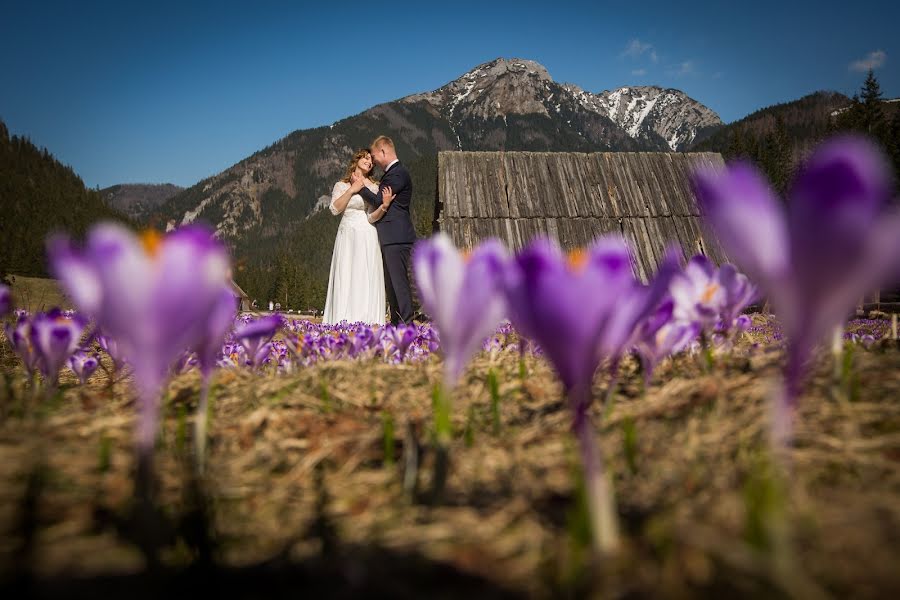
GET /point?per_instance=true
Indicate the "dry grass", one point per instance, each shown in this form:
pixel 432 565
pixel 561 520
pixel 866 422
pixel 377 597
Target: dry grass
pixel 36 294
pixel 284 457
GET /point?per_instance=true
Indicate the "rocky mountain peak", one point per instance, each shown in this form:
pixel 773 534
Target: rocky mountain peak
pixel 657 117
pixel 492 89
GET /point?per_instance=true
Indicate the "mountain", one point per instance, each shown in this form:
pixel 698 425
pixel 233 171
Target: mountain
pixel 138 200
pixel 506 104
pixel 40 195
pixel 666 118
pixel 805 121
pixel 778 138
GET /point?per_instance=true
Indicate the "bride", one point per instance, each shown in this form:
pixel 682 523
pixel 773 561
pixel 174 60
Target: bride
pixel 356 283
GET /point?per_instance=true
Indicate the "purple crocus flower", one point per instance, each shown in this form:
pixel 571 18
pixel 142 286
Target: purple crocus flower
pixel 151 294
pixel 400 338
pixel 256 335
pixel 834 243
pixel 464 296
pixel 55 338
pixel 218 322
pixel 698 296
pixel 109 345
pixel 19 337
pixel 83 365
pixel 581 311
pixel 660 335
pixel 739 294
pixel 5 300
pixel 742 323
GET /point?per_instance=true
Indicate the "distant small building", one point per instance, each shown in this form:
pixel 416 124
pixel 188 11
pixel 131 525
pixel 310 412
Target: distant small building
pixel 240 296
pixel 575 197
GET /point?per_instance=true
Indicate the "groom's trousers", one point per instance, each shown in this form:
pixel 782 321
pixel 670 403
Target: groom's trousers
pixel 396 259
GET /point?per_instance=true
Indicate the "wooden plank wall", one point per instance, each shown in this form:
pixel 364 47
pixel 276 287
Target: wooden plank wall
pixel 575 197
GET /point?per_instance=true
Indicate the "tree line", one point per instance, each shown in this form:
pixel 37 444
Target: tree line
pixel 779 138
pixel 39 195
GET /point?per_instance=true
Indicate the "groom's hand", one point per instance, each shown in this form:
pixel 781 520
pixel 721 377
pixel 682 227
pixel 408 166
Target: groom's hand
pixel 387 196
pixel 356 182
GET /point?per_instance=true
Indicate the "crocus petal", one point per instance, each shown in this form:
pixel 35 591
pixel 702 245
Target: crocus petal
pixel 835 202
pixel 439 271
pixel 842 187
pixel 740 207
pixel 5 300
pixel 563 308
pixel 739 292
pixel 479 305
pixel 218 322
pixel 634 303
pixel 77 275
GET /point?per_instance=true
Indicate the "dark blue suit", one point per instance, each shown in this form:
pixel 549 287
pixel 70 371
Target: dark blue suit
pixel 396 235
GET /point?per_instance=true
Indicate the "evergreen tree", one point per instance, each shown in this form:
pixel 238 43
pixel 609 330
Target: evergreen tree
pixel 778 156
pixel 871 113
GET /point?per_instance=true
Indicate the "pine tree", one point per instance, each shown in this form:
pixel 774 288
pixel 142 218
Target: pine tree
pixel 778 157
pixel 872 113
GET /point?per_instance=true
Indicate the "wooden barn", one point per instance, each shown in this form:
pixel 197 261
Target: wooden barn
pixel 575 197
pixel 241 299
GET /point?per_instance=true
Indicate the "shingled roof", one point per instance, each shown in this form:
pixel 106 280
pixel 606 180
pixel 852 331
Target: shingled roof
pixel 575 197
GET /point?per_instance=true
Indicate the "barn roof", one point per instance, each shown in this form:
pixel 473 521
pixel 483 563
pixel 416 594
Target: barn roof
pixel 575 197
pixel 237 290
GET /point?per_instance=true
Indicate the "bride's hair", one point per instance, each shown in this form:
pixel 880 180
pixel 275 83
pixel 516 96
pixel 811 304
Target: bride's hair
pixel 360 154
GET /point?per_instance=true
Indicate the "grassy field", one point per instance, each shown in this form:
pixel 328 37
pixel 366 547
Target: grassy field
pixel 36 294
pixel 301 496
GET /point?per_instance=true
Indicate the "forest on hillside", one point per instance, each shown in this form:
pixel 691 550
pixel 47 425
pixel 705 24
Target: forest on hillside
pixel 40 195
pixel 779 137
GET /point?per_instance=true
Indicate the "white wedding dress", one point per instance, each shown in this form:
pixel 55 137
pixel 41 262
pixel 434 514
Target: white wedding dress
pixel 356 282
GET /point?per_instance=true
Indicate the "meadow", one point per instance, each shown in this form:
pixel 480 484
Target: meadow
pixel 321 478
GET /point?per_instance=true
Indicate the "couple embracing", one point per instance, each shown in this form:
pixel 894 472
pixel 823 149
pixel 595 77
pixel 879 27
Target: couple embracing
pixel 374 240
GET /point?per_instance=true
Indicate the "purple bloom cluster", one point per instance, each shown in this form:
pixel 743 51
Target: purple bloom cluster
pixel 45 341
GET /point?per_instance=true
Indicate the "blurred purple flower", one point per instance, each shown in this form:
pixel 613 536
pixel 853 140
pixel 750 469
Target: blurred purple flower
pixel 464 296
pixel 256 335
pixel 151 294
pixel 397 339
pixel 660 336
pixel 19 337
pixel 55 338
pixel 5 300
pixel 580 311
pixel 218 322
pixel 739 294
pixel 109 345
pixel 834 244
pixel 697 294
pixel 83 365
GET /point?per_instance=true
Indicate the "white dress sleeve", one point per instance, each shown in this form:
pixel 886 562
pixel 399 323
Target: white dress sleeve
pixel 336 192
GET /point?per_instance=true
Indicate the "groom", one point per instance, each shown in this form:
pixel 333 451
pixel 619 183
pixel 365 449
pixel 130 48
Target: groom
pixel 395 229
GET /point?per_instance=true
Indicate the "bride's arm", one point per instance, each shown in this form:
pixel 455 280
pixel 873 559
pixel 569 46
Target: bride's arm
pixel 340 197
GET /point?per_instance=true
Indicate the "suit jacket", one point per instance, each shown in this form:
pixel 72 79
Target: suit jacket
pixel 395 227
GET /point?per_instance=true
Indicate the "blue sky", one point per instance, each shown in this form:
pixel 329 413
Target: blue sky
pixel 175 92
